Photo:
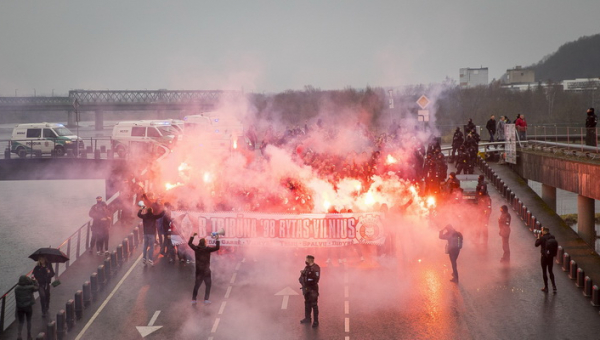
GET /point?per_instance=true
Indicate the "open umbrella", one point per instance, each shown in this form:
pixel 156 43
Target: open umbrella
pixel 52 255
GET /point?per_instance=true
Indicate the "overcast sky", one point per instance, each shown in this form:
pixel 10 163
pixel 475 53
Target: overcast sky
pixel 270 46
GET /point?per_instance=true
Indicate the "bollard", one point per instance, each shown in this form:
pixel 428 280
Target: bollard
pixel 573 270
pixel 51 330
pixel 78 304
pixel 87 294
pixel 94 286
pixel 533 222
pixel 107 269
pixel 587 289
pixel 516 204
pixel 7 153
pixel 113 260
pixel 580 278
pixel 513 197
pixel 559 255
pixel 101 277
pixel 125 245
pixel 566 262
pixel 132 242
pixel 136 235
pixel 528 218
pixel 119 255
pixel 70 312
pixel 41 336
pixel 595 296
pixel 61 324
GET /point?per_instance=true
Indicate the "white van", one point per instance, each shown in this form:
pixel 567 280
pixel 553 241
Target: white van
pixel 144 133
pixel 215 133
pixel 44 138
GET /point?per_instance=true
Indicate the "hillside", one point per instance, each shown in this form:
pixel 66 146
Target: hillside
pixel 575 59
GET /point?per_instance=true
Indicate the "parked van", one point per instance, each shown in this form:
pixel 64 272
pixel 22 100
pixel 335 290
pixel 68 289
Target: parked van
pixel 147 133
pixel 44 138
pixel 215 133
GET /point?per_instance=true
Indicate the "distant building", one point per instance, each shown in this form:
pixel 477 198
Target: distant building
pixel 581 84
pixel 518 75
pixel 471 77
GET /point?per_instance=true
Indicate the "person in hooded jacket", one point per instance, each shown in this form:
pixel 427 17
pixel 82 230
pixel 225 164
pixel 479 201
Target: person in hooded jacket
pixel 457 141
pixel 25 300
pixel 590 127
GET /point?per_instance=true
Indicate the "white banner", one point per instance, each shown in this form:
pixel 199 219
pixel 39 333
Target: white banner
pixel 283 230
pixel 510 145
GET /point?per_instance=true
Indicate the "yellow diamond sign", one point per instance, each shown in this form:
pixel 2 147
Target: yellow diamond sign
pixel 423 102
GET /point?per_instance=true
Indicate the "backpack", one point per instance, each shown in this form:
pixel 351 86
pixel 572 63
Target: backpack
pixel 551 247
pixel 454 242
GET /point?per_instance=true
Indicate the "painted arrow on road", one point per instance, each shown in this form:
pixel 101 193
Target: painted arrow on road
pixel 147 330
pixel 286 292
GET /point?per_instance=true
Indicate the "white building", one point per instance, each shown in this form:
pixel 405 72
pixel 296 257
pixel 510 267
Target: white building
pixel 471 77
pixel 581 84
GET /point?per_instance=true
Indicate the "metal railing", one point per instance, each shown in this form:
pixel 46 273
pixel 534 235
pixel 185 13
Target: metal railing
pixel 581 137
pixel 74 246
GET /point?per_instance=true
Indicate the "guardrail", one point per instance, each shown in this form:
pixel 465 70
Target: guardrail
pixel 74 246
pixel 570 134
pixel 97 148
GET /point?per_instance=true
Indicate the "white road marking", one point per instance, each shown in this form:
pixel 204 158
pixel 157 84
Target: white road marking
pixel 233 278
pixel 347 325
pixel 284 303
pixel 228 292
pixel 346 293
pixel 154 317
pixel 87 325
pixel 346 338
pixel 215 325
pixel 346 307
pixel 222 307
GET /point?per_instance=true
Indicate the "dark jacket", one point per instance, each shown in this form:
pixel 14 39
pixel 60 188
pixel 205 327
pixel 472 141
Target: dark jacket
pixel 149 221
pixel 591 120
pixel 100 215
pixel 541 242
pixel 310 276
pixel 504 224
pixel 202 254
pixel 491 126
pixel 457 139
pixel 453 237
pixel 43 274
pixel 24 292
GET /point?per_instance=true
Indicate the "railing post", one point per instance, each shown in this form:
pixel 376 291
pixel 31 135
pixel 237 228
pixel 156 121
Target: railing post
pixel 68 253
pixel 87 236
pixel 78 243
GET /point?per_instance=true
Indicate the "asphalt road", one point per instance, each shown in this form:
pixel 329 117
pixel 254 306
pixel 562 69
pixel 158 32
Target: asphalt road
pixel 405 296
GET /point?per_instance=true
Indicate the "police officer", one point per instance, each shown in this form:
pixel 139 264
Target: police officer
pixel 504 232
pixel 462 160
pixel 590 127
pixel 484 205
pixel 309 279
pixel 457 141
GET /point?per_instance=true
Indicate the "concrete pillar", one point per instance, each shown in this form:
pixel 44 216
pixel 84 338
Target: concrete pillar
pixel 71 119
pixel 99 120
pixel 549 196
pixel 585 219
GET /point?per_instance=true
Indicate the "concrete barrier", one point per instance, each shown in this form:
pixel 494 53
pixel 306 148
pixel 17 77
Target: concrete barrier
pixel 566 262
pixel 79 304
pixel 94 286
pixel 580 278
pixel 573 270
pixel 70 313
pixel 87 294
pixel 61 324
pixel 51 330
pixel 559 255
pixel 587 289
pixel 595 296
pixel 107 269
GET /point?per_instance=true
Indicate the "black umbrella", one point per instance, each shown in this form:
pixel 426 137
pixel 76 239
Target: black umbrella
pixel 52 255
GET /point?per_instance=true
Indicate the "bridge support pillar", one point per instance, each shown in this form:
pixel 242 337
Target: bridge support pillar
pixel 549 195
pixel 71 119
pixel 99 117
pixel 585 219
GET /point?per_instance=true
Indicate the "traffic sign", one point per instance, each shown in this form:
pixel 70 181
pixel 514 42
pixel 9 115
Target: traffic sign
pixel 423 101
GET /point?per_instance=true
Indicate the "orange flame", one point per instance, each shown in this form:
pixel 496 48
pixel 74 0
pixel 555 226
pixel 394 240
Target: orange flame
pixel 391 160
pixel 169 186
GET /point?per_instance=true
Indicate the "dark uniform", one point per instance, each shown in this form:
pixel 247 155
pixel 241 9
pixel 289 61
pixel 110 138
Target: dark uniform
pixel 462 161
pixel 457 141
pixel 203 273
pixel 547 261
pixel 309 279
pixel 484 207
pixel 590 126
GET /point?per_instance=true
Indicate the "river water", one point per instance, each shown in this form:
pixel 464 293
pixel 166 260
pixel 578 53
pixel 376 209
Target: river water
pixel 35 214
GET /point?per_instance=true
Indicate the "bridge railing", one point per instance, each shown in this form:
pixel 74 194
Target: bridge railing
pixel 576 136
pixel 74 246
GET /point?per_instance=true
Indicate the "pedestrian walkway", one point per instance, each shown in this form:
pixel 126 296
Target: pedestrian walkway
pixel 72 280
pixel 581 252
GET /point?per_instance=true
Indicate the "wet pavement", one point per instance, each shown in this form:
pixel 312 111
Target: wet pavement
pixel 406 296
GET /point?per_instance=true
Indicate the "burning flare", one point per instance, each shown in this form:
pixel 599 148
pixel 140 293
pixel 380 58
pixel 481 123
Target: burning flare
pixel 391 159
